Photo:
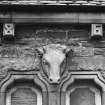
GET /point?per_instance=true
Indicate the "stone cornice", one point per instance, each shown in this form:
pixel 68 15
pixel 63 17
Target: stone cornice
pixel 51 2
pixel 53 6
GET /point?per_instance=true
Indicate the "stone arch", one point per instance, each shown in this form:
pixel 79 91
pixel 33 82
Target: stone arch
pixel 13 76
pixel 83 93
pixel 96 77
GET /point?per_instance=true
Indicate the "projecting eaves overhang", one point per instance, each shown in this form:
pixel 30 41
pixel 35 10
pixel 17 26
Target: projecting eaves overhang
pixel 58 5
pixel 52 12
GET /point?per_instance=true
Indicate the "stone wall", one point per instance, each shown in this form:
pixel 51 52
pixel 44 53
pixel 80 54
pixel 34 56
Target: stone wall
pixel 20 53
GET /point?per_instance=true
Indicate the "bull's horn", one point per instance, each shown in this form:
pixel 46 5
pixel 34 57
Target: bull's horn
pixel 67 49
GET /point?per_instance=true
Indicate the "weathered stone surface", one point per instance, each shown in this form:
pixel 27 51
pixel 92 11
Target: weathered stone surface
pixel 24 63
pixel 98 44
pixel 51 33
pixel 99 51
pixel 25 58
pixel 27 62
pixel 12 51
pixel 79 49
pixel 83 51
pixel 78 33
pixel 18 58
pixel 88 63
pixel 22 55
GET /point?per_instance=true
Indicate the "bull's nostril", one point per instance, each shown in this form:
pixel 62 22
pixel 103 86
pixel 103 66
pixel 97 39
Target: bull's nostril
pixel 58 80
pixel 51 79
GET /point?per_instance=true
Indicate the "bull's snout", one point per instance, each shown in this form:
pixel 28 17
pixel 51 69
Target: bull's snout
pixel 54 80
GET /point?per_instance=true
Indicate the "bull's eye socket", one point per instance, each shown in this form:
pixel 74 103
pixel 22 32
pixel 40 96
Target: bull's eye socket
pixel 44 62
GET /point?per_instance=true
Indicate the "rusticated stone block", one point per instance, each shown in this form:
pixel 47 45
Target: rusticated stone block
pixel 15 51
pixel 99 44
pixel 80 50
pixel 24 63
pixel 99 51
pixel 83 51
pixel 18 58
pixel 51 34
pixel 88 63
pixel 82 34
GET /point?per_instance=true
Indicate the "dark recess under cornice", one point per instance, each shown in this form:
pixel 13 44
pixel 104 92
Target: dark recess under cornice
pixel 52 8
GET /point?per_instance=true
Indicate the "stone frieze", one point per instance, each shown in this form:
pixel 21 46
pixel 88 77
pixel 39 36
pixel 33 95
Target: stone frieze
pixel 26 58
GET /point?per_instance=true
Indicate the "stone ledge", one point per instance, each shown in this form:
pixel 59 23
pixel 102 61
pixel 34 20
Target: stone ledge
pixel 50 2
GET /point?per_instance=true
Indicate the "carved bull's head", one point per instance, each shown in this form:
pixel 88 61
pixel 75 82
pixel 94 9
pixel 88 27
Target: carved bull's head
pixel 52 58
